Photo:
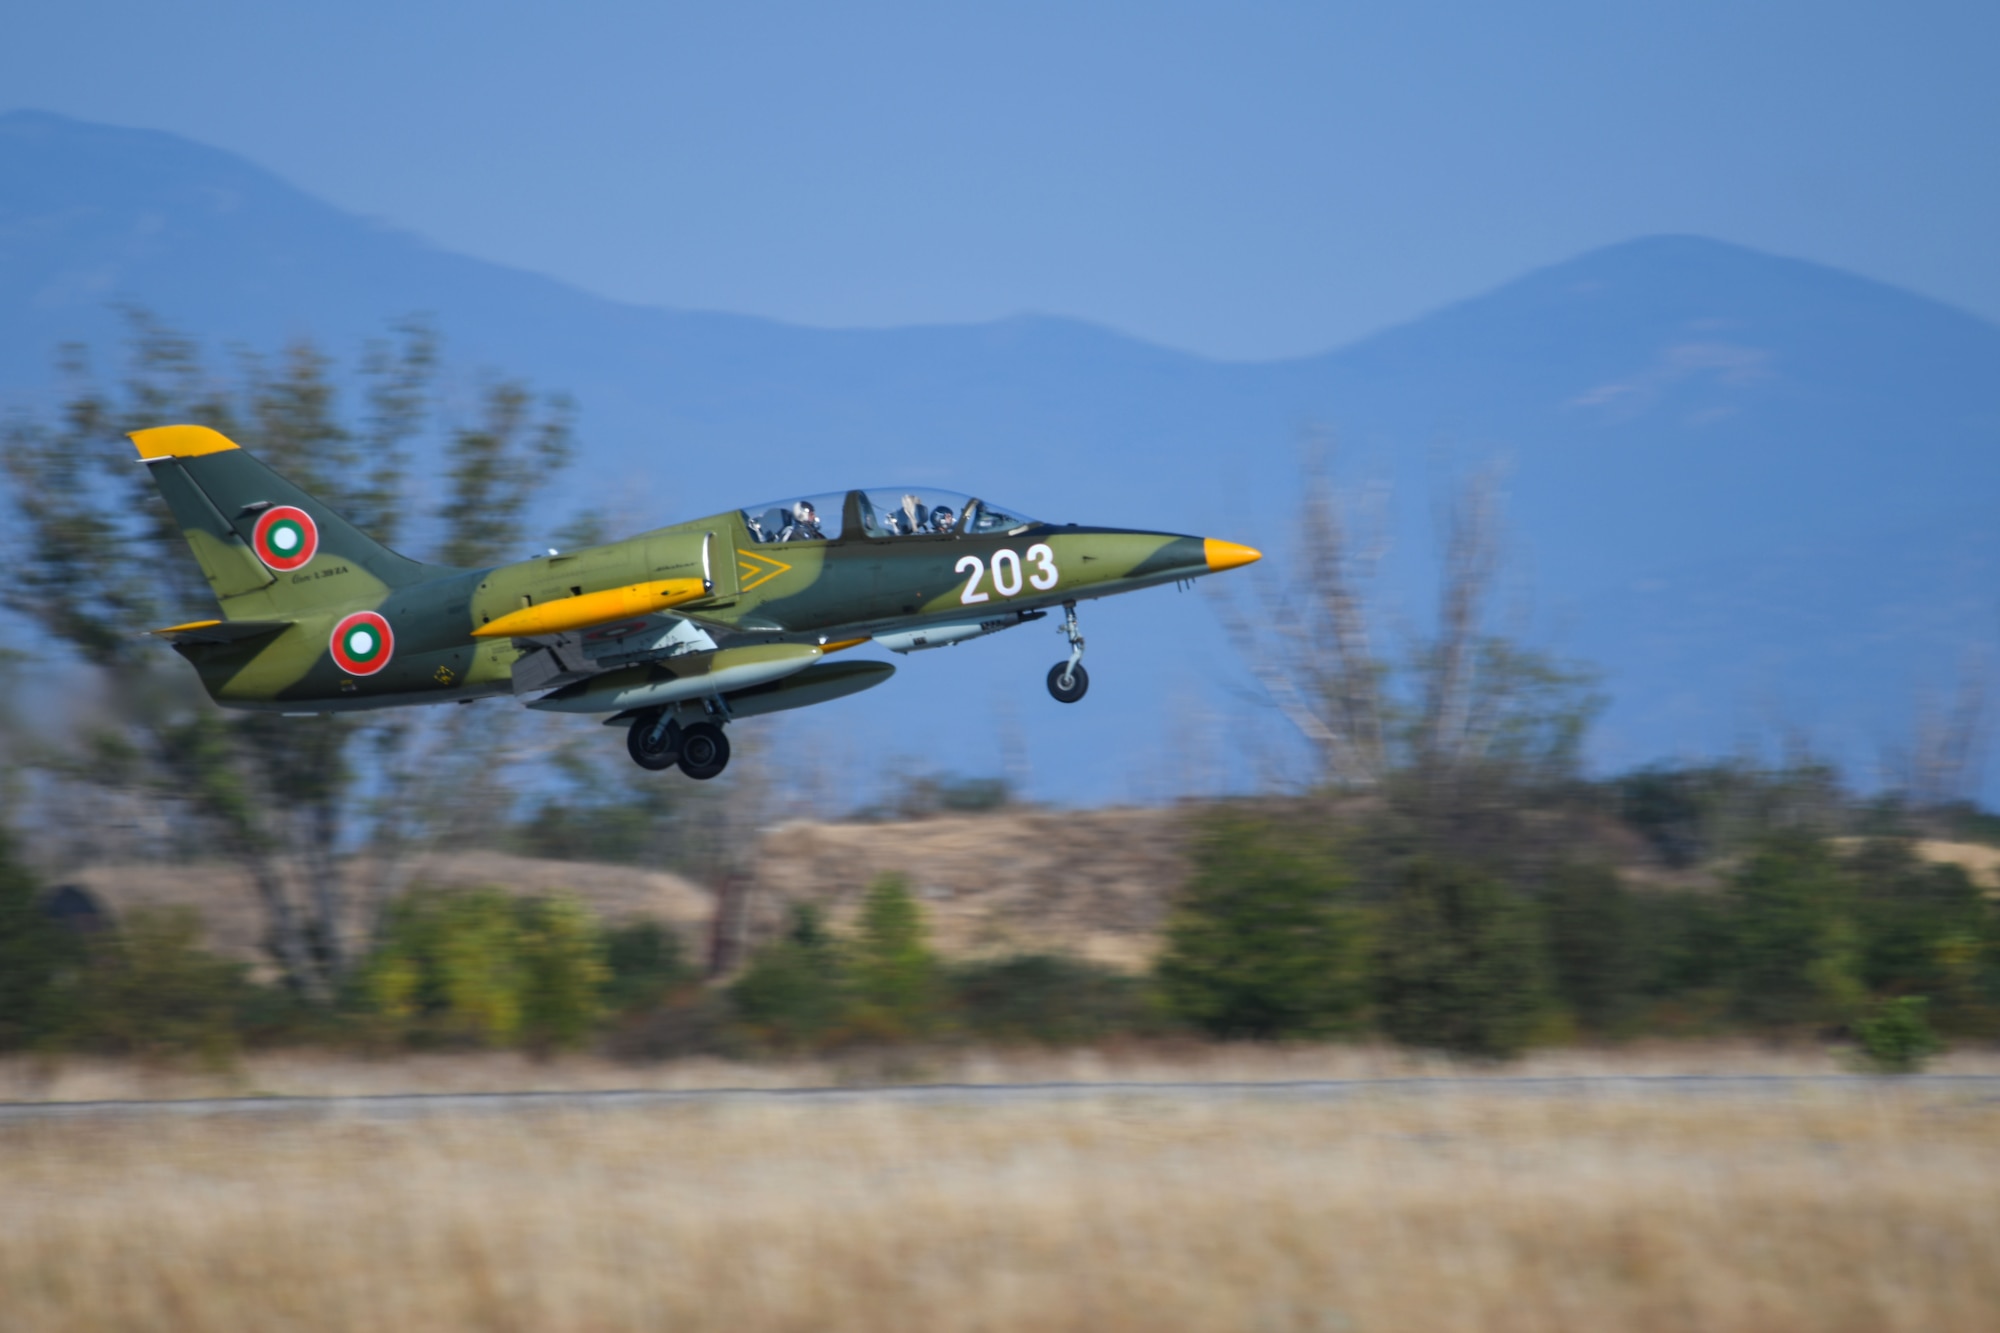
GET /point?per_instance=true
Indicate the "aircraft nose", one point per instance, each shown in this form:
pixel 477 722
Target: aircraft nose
pixel 1228 555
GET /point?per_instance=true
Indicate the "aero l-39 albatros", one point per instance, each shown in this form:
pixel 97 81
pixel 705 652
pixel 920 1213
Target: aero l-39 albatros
pixel 674 633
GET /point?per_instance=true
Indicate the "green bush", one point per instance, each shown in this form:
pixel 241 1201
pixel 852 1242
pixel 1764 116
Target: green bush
pixel 1791 936
pixel 35 955
pixel 1261 943
pixel 480 966
pixel 1906 913
pixel 150 989
pixel 563 973
pixel 896 982
pixel 1594 946
pixel 1460 963
pixel 1051 999
pixel 647 962
pixel 1896 1038
pixel 794 992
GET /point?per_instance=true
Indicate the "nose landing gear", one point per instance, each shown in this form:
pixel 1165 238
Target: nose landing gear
pixel 1068 680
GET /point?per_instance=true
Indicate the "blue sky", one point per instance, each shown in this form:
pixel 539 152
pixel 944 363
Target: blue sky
pixel 1243 180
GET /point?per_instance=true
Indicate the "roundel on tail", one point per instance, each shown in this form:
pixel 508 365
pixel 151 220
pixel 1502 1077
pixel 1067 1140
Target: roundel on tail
pixel 362 643
pixel 285 538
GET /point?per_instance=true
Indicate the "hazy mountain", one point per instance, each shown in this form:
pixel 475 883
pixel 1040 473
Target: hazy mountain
pixel 1754 491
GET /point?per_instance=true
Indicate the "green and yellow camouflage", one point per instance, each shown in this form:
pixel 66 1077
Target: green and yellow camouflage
pixel 674 632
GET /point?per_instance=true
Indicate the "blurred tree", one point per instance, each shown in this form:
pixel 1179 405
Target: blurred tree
pixel 496 467
pixel 480 965
pixel 646 960
pixel 1924 929
pixel 96 561
pixel 1594 949
pixel 1260 943
pixel 1048 998
pixel 1460 963
pixel 563 971
pixel 35 954
pixel 1794 960
pixel 794 992
pixel 150 989
pixel 894 975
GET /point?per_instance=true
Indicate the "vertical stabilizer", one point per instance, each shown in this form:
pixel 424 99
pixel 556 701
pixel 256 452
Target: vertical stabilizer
pixel 268 549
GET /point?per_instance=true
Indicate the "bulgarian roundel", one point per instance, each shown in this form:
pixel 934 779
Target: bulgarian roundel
pixel 285 538
pixel 362 643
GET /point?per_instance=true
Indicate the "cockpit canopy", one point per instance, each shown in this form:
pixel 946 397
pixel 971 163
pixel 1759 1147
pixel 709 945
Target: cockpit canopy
pixel 882 511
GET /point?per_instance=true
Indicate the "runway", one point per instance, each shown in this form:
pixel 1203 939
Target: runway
pixel 403 1106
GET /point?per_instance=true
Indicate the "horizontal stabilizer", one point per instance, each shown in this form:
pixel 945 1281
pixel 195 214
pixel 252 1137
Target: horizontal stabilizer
pixel 221 631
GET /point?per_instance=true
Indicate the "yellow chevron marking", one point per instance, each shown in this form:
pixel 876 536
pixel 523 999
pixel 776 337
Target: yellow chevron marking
pixel 756 569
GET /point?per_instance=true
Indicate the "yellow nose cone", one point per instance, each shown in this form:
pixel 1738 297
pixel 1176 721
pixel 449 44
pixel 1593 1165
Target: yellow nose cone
pixel 1228 555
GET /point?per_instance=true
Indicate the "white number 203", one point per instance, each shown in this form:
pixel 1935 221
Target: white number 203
pixel 1007 573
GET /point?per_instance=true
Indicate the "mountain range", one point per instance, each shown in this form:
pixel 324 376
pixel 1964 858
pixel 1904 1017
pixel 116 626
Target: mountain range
pixel 1757 494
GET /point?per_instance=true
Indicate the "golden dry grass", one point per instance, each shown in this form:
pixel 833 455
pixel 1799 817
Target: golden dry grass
pixel 1869 1208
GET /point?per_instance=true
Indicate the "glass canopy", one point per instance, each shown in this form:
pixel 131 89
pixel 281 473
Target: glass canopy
pixel 883 511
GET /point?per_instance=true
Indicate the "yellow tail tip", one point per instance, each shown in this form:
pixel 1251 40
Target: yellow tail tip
pixel 1228 555
pixel 180 442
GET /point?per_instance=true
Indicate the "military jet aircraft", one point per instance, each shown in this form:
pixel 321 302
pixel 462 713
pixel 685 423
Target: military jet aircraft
pixel 673 633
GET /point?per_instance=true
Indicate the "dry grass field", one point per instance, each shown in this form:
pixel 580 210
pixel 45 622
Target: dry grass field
pixel 1867 1207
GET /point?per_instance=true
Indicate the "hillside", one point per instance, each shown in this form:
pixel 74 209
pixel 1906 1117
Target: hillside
pixel 1094 883
pixel 1757 493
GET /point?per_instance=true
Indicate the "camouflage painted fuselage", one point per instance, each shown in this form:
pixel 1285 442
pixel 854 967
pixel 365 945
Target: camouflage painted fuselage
pixel 280 644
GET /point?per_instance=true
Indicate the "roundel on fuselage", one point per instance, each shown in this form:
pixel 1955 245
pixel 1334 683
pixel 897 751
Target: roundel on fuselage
pixel 285 538
pixel 362 643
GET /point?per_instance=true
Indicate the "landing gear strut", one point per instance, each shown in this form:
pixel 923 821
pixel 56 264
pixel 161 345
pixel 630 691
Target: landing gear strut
pixel 1068 680
pixel 654 742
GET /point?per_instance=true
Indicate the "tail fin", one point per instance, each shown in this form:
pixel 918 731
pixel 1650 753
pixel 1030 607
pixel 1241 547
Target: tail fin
pixel 270 550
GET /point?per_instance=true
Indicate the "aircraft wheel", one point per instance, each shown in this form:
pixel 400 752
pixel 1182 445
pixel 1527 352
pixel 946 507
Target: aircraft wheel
pixel 704 751
pixel 653 746
pixel 1079 681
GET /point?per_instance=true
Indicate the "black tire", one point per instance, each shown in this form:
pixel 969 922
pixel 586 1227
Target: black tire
pixel 653 752
pixel 1079 682
pixel 704 751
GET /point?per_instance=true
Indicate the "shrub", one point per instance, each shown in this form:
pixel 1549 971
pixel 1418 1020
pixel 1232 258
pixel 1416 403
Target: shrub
pixel 1460 964
pixel 476 965
pixel 647 961
pixel 1793 960
pixel 34 955
pixel 150 989
pixel 896 987
pixel 1048 998
pixel 794 992
pixel 1261 943
pixel 1591 927
pixel 562 971
pixel 1907 916
pixel 1896 1038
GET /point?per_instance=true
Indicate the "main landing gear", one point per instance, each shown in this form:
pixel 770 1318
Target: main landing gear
pixel 657 741
pixel 1068 680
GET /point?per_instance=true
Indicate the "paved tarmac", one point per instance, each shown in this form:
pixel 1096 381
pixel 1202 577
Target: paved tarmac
pixel 400 1106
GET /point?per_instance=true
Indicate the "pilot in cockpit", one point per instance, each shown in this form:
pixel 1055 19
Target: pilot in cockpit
pixel 942 519
pixel 912 519
pixel 804 526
